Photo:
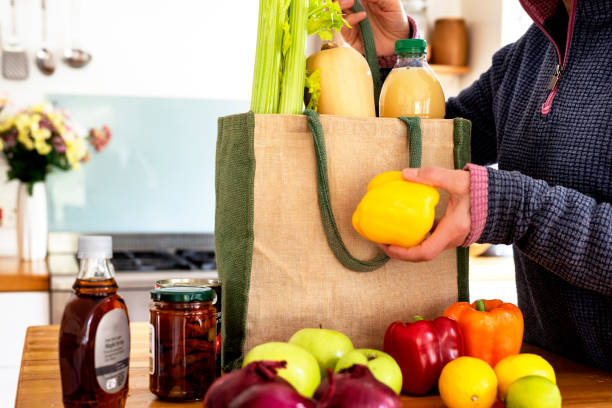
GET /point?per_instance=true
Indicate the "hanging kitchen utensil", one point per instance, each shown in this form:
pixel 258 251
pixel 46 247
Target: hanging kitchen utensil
pixel 44 57
pixel 75 56
pixel 14 57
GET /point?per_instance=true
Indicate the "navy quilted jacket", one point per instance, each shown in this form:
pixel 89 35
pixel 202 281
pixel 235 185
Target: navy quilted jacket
pixel 552 197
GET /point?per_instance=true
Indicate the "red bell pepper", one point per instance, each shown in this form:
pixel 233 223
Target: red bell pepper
pixel 422 349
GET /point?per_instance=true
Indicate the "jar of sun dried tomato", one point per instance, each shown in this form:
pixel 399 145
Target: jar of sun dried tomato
pixel 183 342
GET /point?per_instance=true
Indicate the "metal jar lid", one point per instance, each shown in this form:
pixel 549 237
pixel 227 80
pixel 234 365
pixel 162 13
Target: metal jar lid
pixel 183 294
pixel 193 282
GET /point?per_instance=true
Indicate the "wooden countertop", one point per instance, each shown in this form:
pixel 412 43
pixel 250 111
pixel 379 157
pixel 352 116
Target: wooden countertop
pixel 23 276
pixel 39 379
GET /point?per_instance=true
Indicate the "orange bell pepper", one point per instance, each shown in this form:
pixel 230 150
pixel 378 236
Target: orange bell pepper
pixel 491 329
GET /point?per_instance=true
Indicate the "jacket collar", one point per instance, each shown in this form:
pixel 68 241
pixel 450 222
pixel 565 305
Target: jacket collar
pixel 594 10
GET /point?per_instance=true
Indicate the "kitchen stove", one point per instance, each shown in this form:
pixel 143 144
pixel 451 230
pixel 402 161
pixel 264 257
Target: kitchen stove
pixel 189 260
pixel 139 260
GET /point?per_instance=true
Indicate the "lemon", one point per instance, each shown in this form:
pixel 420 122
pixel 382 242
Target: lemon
pixel 468 382
pixel 514 367
pixel 533 391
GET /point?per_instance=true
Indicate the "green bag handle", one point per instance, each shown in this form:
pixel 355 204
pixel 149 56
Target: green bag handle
pixel 336 244
pixel 369 48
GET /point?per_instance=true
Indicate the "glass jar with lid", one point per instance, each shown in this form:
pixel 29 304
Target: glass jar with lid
pixel 412 88
pixel 215 284
pixel 183 342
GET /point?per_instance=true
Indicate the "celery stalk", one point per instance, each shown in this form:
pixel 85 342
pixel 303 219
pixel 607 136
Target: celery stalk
pixel 305 18
pixel 292 78
pixel 266 76
pixel 280 58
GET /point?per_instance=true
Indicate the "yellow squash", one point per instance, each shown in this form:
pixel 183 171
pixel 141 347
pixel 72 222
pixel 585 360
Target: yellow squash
pixel 346 80
pixel 395 211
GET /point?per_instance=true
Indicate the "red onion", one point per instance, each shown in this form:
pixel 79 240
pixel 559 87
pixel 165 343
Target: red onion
pixel 355 387
pixel 271 395
pixel 229 386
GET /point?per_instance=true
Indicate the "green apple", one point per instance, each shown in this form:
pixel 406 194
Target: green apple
pixel 384 367
pixel 302 369
pixel 327 346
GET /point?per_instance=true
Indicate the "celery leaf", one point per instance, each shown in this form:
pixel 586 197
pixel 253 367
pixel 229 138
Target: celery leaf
pixel 323 17
pixel 313 85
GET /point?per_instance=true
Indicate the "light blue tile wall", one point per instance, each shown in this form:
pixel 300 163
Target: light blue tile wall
pixel 157 173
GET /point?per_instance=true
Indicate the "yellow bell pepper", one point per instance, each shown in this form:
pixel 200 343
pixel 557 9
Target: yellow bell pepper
pixel 395 211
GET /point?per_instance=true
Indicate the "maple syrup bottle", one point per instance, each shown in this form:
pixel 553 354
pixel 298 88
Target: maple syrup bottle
pixel 94 340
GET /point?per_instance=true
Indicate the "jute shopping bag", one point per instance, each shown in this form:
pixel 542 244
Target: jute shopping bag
pixel 287 254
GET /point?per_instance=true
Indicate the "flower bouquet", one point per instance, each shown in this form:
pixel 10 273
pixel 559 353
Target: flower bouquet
pixel 40 138
pixel 36 141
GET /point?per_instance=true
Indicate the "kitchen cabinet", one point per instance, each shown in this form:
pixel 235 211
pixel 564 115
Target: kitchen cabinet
pixel 24 301
pixel 19 311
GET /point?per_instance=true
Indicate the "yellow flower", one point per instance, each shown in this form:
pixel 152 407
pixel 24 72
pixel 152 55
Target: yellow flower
pixel 1 145
pixel 7 124
pixel 34 119
pixel 23 137
pixel 40 134
pixel 57 120
pixel 23 122
pixel 75 151
pixel 43 148
pixel 41 108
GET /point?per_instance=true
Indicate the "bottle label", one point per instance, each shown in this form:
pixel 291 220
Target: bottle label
pixel 112 351
pixel 151 349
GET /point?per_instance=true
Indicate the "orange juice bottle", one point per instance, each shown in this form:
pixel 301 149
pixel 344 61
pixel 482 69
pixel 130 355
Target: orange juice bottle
pixel 412 88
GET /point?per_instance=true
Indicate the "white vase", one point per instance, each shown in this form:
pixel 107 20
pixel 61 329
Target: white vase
pixel 32 222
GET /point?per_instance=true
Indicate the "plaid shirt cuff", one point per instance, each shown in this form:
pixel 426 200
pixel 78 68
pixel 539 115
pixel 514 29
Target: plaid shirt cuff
pixel 479 191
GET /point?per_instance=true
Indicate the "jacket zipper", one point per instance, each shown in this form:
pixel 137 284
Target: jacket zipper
pixel 553 84
pixel 552 87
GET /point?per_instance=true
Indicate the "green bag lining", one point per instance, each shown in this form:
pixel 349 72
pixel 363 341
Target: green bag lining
pixel 234 184
pixel 462 130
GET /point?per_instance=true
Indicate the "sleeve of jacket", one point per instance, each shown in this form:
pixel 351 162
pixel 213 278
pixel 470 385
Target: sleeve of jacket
pixel 476 104
pixel 565 231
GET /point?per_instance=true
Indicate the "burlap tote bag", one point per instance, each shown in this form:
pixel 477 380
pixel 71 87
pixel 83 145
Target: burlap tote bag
pixel 287 254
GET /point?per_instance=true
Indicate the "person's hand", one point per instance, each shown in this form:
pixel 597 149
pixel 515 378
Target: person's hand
pixel 454 227
pixel 388 20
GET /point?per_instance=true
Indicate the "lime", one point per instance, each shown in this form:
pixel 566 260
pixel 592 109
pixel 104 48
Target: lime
pixel 514 367
pixel 533 391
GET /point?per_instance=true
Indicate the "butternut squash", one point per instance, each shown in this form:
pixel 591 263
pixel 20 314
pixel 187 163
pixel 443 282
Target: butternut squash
pixel 346 86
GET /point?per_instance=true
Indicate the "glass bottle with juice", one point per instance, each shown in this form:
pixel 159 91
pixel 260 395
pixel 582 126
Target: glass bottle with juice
pixel 412 88
pixel 94 340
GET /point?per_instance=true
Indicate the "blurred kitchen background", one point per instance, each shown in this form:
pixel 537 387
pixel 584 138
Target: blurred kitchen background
pixel 161 73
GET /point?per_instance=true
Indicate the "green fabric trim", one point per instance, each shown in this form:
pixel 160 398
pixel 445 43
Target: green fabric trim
pixel 415 140
pixel 234 183
pixel 369 48
pixel 462 129
pixel 336 244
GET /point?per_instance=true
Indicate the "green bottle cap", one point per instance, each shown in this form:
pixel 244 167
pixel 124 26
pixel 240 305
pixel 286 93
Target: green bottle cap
pixel 412 45
pixel 183 294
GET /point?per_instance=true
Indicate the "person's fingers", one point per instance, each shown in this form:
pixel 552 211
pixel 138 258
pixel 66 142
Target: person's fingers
pixel 435 223
pixel 453 181
pixel 449 233
pixel 382 5
pixel 354 18
pixel 346 4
